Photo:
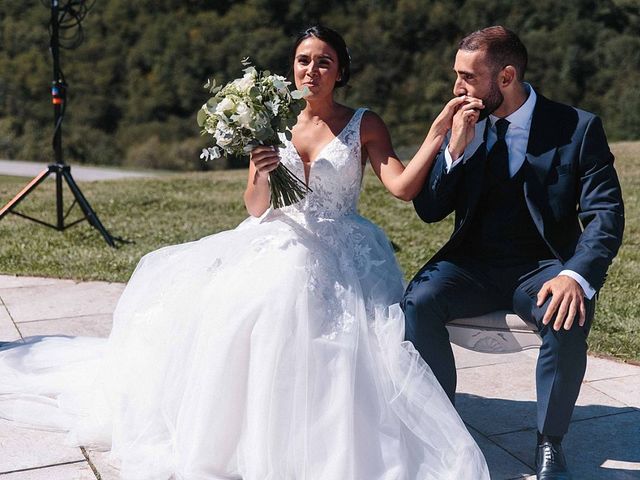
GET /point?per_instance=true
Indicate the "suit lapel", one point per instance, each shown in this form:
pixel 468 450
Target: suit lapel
pixel 541 154
pixel 542 145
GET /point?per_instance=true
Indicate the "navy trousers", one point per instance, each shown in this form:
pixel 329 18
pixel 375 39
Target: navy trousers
pixel 462 287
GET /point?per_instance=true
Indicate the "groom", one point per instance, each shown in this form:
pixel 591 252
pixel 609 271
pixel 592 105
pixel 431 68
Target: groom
pixel 539 218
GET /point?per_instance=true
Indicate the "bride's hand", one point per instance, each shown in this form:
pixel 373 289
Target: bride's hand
pixel 265 159
pixel 444 121
pixel 464 125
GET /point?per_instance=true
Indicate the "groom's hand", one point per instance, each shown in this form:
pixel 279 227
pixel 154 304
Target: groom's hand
pixel 567 302
pixel 464 125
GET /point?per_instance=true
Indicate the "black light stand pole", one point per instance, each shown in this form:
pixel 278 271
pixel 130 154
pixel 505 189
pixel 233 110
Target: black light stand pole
pixel 59 168
pixel 58 98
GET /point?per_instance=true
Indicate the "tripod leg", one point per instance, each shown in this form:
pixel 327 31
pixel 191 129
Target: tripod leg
pixel 92 217
pixel 59 201
pixel 24 192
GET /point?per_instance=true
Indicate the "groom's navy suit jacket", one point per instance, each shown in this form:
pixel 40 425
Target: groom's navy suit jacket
pixel 570 187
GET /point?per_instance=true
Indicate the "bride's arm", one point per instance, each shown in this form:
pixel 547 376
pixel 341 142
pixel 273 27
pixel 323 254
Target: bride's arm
pixel 406 182
pixel 257 196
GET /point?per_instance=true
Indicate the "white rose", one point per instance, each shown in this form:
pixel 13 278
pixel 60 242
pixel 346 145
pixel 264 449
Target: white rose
pixel 245 83
pixel 274 106
pixel 280 83
pixel 225 105
pixel 261 120
pixel 243 116
pixel 223 135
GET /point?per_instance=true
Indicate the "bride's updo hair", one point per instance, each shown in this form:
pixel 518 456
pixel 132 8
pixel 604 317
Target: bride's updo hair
pixel 336 41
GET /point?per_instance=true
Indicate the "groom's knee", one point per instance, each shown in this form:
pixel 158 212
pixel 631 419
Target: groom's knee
pixel 524 305
pixel 422 304
pixel 562 341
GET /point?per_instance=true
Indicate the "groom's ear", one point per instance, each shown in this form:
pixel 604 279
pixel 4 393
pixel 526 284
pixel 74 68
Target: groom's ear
pixel 507 76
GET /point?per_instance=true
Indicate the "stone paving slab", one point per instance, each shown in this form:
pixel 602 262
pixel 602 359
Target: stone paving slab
pixel 601 369
pixel 626 389
pixel 501 464
pixel 61 300
pixel 100 461
pixel 605 448
pixel 8 330
pixel 496 396
pixel 12 281
pixel 502 398
pixel 73 471
pixel 23 448
pixel 98 325
pixel 468 359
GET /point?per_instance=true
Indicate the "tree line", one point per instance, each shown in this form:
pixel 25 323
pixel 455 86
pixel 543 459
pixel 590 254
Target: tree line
pixel 136 81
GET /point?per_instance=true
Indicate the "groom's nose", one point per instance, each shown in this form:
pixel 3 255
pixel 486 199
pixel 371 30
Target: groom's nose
pixel 459 88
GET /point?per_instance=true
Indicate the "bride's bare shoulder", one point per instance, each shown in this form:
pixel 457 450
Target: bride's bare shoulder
pixel 372 126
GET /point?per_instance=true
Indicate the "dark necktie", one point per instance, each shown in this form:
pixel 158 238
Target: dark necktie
pixel 498 157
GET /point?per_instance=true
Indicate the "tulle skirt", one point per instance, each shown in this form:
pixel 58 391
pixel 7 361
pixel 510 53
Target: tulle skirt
pixel 273 351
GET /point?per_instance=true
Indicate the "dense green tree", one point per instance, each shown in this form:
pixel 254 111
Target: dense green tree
pixel 136 81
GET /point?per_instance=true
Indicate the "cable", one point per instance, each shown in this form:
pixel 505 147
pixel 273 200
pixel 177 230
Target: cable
pixel 71 13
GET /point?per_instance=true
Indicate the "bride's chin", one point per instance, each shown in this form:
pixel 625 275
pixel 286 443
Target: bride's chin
pixel 316 95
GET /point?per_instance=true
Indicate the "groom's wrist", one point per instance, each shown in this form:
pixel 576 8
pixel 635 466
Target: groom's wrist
pixel 449 161
pixel 454 153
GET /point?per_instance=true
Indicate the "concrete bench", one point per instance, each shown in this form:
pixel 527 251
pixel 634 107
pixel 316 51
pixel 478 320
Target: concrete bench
pixel 496 332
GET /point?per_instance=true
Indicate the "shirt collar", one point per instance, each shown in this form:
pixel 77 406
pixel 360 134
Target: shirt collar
pixel 521 118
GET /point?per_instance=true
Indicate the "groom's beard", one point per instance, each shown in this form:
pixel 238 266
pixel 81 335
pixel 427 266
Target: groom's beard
pixel 492 101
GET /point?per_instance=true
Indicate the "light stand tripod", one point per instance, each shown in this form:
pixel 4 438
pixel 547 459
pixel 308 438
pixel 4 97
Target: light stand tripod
pixel 77 10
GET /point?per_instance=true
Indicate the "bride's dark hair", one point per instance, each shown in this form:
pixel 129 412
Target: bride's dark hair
pixel 336 41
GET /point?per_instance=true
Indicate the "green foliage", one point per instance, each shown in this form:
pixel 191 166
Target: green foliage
pixel 139 74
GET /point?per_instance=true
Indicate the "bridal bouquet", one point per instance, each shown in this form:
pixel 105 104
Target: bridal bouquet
pixel 251 111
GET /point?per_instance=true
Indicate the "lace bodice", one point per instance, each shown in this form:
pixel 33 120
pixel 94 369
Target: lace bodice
pixel 335 176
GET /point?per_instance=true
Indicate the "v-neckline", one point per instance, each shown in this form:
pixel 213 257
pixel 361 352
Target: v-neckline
pixel 319 154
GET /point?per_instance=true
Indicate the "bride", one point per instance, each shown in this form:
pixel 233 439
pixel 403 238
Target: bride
pixel 272 351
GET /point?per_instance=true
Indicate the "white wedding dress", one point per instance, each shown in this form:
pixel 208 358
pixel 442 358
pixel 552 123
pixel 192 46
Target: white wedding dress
pixel 273 351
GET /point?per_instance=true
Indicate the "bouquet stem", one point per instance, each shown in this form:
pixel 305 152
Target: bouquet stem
pixel 285 187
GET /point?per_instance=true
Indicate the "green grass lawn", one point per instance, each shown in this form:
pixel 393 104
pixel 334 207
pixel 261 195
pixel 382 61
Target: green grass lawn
pixel 179 208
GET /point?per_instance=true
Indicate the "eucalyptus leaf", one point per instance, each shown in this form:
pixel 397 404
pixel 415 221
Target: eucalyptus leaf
pixel 262 134
pixel 201 117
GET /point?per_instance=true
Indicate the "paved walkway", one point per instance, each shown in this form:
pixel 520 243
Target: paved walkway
pixel 496 397
pixel 19 168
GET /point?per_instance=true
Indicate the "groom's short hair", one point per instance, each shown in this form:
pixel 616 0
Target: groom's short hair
pixel 503 47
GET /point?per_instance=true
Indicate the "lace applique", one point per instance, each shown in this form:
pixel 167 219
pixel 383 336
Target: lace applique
pixel 335 176
pixel 344 325
pixel 328 296
pixel 215 266
pixel 273 242
pixel 335 179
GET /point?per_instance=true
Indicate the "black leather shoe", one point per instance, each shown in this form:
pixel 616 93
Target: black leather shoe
pixel 550 462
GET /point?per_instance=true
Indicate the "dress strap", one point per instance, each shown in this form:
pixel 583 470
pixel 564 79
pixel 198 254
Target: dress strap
pixel 357 117
pixel 354 124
